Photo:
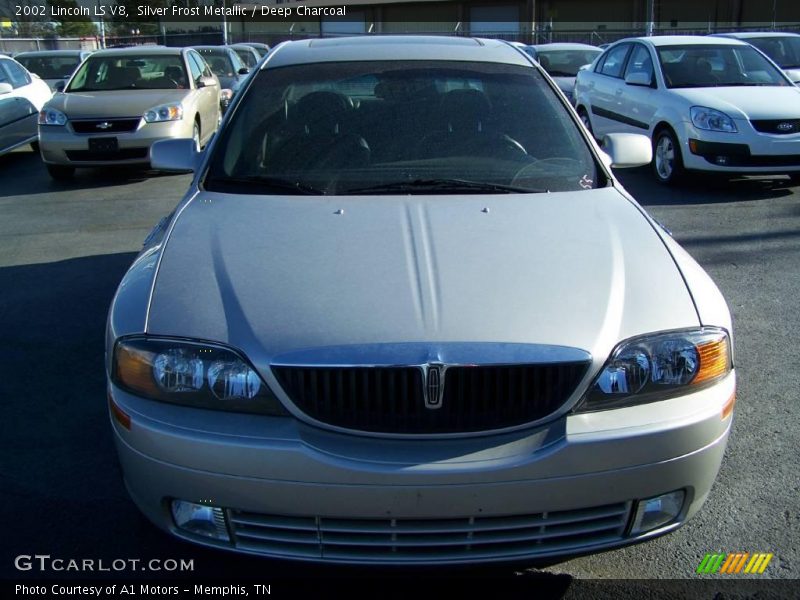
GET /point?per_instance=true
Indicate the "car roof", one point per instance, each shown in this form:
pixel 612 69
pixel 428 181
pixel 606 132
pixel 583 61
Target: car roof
pixel 686 40
pixel 395 47
pixel 35 53
pixel 745 35
pixel 564 46
pixel 209 47
pixel 138 51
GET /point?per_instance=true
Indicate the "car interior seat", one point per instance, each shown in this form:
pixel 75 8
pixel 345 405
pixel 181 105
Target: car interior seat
pixel 319 138
pixel 467 131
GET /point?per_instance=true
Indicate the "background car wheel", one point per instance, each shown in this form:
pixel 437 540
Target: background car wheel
pixel 60 172
pixel 196 135
pixel 667 160
pixel 585 120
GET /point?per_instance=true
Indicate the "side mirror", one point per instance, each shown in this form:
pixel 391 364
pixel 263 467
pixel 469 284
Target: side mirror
pixel 638 78
pixel 244 71
pixel 60 86
pixel 178 155
pixel 6 88
pixel 628 150
pixel 206 82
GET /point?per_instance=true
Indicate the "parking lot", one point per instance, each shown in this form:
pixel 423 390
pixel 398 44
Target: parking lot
pixel 65 246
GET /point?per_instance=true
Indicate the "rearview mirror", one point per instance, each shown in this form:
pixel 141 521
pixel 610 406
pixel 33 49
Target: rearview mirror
pixel 628 150
pixel 6 88
pixel 638 78
pixel 180 155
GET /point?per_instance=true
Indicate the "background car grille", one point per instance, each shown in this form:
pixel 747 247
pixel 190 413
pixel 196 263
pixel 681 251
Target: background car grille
pixel 390 399
pixel 771 126
pixel 428 540
pixel 122 154
pixel 116 125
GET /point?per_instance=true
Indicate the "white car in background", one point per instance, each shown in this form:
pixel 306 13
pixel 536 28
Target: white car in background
pixel 22 96
pixel 781 47
pixel 707 103
pixel 563 61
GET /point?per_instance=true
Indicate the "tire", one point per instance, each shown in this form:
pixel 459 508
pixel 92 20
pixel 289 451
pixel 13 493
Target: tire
pixel 60 172
pixel 196 135
pixel 584 116
pixel 667 159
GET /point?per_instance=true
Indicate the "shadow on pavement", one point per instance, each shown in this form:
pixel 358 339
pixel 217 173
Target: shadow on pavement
pixel 23 173
pixel 702 189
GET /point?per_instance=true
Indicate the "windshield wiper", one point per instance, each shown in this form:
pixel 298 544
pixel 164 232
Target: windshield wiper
pixel 269 184
pixel 442 186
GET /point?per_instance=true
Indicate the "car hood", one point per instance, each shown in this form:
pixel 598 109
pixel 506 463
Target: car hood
pixel 118 103
pixel 273 275
pixel 793 74
pixel 566 84
pixel 768 102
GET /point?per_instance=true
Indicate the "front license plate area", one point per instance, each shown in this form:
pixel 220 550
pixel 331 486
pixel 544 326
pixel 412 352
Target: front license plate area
pixel 103 144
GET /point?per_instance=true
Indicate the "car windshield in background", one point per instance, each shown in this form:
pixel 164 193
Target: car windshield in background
pixel 785 51
pixel 717 66
pixel 221 62
pixel 392 127
pixel 50 67
pixel 565 63
pixel 151 72
pixel 246 57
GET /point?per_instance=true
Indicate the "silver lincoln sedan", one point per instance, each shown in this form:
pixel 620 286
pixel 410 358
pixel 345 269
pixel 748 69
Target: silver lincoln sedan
pixel 407 314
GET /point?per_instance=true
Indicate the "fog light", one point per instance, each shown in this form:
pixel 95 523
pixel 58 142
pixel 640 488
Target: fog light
pixel 655 512
pixel 200 519
pixel 721 160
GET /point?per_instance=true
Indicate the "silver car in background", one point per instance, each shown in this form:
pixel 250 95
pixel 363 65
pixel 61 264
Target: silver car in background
pixel 406 314
pixel 121 101
pixel 562 61
pixel 55 67
pixel 782 47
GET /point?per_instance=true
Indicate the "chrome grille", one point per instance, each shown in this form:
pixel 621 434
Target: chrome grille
pixel 391 399
pixel 105 125
pixel 416 540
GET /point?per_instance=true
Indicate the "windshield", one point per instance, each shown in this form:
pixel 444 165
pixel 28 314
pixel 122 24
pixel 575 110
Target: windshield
pixel 50 67
pixel 392 127
pixel 785 51
pixel 151 72
pixel 247 57
pixel 222 63
pixel 716 66
pixel 565 63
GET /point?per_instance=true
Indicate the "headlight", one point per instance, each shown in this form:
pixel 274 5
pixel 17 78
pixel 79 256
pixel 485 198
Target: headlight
pixel 51 116
pixel 660 366
pixel 194 374
pixel 165 112
pixel 225 95
pixel 712 120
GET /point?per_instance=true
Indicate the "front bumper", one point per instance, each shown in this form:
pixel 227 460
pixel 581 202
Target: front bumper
pixel 748 151
pixel 292 491
pixel 62 146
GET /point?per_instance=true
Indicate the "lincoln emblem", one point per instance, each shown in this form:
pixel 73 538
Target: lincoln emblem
pixel 433 385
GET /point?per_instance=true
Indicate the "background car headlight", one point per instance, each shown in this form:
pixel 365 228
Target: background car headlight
pixel 51 116
pixel 194 374
pixel 660 366
pixel 712 120
pixel 165 112
pixel 225 95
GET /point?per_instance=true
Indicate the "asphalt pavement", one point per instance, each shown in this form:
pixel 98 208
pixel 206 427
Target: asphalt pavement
pixel 65 246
